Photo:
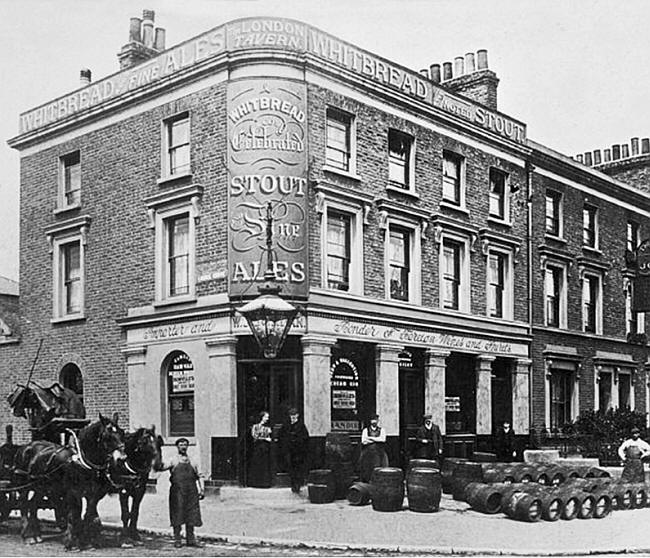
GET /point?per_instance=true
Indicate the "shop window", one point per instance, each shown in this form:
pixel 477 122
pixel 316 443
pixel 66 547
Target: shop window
pixel 555 296
pixel 460 394
pixel 180 395
pixel 338 152
pixel 553 213
pixel 498 194
pixel 69 181
pixel 399 159
pixel 339 253
pixel 68 278
pixel 561 392
pixel 176 145
pixel 590 226
pixel 632 236
pixel 452 179
pixel 71 378
pixel 399 263
pixel 591 304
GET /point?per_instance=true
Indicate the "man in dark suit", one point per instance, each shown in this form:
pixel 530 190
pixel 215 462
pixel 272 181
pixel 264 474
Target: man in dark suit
pixel 428 440
pixel 506 449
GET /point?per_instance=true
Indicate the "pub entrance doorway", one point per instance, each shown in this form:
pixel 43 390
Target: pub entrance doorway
pixel 411 400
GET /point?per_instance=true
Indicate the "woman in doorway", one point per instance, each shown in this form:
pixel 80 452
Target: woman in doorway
pixel 259 470
pixel 373 452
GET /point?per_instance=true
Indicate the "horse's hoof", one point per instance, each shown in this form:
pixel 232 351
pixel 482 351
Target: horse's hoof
pixel 39 539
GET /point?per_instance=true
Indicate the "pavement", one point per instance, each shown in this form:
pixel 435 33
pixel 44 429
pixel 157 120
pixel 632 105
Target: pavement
pixel 276 516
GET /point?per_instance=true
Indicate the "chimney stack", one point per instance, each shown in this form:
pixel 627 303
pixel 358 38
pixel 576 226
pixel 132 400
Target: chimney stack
pixel 144 43
pixel 85 77
pixel 472 78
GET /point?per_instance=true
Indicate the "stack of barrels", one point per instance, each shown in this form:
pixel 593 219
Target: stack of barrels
pixel 530 492
pixel 387 488
pixel 338 458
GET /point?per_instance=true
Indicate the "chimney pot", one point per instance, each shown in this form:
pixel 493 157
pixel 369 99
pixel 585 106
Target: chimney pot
pixel 579 157
pixel 616 152
pixel 645 145
pixel 608 155
pixel 85 76
pixel 424 72
pixel 434 70
pixel 159 43
pixel 597 158
pixel 149 14
pixel 147 28
pixel 481 60
pixel 625 151
pixel 588 160
pixel 446 71
pixel 134 30
pixel 635 146
pixel 470 63
pixel 459 66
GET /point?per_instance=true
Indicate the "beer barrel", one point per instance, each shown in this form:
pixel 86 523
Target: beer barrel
pixel 523 507
pixel 639 495
pixel 499 474
pixel 571 504
pixel 388 489
pixel 621 496
pixel 422 463
pixel 423 489
pixel 463 474
pixel 360 493
pixel 485 498
pixel 603 503
pixel 587 505
pixel 320 493
pixel 523 473
pixel 449 464
pixel 556 475
pixel 551 500
pixel 321 476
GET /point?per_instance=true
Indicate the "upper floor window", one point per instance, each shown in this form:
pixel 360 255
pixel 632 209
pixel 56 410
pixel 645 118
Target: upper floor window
pixel 553 213
pixel 68 278
pixel 634 321
pixel 555 295
pixel 399 158
pixel 338 153
pixel 452 178
pixel 591 304
pixel 632 236
pixel 590 226
pixel 399 263
pixel 498 193
pixel 451 274
pixel 499 285
pixel 339 256
pixel 70 180
pixel 177 145
pixel 177 271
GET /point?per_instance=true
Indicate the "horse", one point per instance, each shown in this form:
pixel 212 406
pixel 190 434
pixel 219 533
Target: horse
pixel 129 479
pixel 64 476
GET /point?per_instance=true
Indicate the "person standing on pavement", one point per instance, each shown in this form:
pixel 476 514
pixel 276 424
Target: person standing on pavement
pixel 259 470
pixel 184 494
pixel 505 443
pixel 632 451
pixel 294 448
pixel 373 452
pixel 429 440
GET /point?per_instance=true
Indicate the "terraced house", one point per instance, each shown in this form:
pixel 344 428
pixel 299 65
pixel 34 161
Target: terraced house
pixel 441 261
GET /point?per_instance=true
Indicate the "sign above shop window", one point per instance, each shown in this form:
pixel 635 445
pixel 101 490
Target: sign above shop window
pixel 452 404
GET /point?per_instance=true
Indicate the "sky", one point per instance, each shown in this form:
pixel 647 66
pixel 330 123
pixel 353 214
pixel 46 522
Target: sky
pixel 575 71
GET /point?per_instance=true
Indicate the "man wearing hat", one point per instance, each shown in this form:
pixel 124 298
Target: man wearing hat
pixel 428 440
pixel 185 491
pixel 632 451
pixel 373 452
pixel 294 448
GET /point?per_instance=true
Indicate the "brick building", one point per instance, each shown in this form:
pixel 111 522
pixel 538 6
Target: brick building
pixel 409 225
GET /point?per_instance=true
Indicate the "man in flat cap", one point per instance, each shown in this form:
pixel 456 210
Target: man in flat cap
pixel 428 440
pixel 294 449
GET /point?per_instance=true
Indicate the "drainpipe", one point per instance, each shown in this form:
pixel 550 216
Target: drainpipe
pixel 529 237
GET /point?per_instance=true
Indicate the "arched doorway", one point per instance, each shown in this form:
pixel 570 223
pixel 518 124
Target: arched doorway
pixel 71 378
pixel 179 376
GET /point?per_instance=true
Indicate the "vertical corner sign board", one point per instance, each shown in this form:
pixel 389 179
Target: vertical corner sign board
pixel 641 300
pixel 267 162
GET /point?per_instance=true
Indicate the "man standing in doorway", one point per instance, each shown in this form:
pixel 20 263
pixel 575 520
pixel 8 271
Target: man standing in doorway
pixel 428 440
pixel 294 445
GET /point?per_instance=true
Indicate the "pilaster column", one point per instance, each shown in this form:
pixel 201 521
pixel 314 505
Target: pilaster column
pixel 317 395
pixel 484 394
pixel 144 406
pixel 521 396
pixel 215 395
pixel 435 368
pixel 387 387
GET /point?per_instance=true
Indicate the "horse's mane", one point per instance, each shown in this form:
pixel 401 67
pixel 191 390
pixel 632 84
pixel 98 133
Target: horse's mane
pixel 90 431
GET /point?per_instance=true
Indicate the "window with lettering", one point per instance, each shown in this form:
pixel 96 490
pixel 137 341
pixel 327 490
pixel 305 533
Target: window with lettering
pixel 399 158
pixel 177 145
pixel 338 152
pixel 180 394
pixel 69 180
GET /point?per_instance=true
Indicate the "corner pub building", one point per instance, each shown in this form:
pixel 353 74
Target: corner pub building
pixel 403 204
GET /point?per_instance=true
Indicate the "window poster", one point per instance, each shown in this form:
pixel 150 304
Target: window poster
pixel 344 381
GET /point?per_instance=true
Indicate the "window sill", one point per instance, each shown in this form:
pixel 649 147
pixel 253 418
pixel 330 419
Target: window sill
pixel 341 172
pixel 60 210
pixel 592 251
pixel 498 221
pixel 173 178
pixel 70 318
pixel 554 238
pixel 410 192
pixel 452 207
pixel 173 301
